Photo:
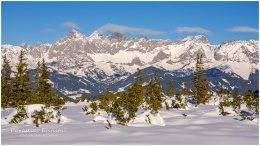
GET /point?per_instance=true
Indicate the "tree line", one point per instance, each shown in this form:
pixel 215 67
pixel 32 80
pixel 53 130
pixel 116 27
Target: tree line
pixel 17 90
pixel 123 106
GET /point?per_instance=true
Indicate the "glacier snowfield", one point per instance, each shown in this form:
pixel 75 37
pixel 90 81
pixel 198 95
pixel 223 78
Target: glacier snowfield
pixel 202 125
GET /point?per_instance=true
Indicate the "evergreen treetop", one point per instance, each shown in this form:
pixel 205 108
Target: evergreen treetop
pixel 200 82
pixel 6 84
pixel 154 94
pixel 170 90
pixel 22 86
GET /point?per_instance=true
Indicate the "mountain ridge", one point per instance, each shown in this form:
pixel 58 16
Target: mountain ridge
pixel 108 58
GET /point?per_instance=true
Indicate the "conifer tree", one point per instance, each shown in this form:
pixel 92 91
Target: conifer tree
pixel 170 90
pixel 135 96
pixel 154 94
pixel 94 107
pixel 43 87
pixel 139 77
pixel 167 105
pixel 106 101
pixel 237 101
pixel 22 87
pixel 43 93
pixel 252 101
pixel 6 85
pixel 201 85
pixel 248 98
pixel 45 77
pixel 118 109
pixel 256 102
pixel 37 81
pixel 185 89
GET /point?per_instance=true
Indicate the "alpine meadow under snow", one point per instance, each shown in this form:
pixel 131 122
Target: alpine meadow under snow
pixel 202 125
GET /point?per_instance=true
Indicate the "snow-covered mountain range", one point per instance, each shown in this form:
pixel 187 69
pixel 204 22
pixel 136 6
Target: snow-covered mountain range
pixel 89 64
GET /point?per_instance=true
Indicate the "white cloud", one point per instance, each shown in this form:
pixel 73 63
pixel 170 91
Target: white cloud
pixel 70 24
pixel 243 29
pixel 186 29
pixel 125 29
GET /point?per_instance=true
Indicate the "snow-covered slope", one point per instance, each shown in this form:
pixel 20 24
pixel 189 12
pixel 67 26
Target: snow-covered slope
pixel 99 57
pixel 203 125
pixel 30 109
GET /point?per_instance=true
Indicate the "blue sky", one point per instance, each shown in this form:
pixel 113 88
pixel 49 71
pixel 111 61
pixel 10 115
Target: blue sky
pixel 45 22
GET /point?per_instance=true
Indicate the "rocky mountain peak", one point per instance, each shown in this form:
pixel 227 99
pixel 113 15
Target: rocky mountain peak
pixel 95 35
pixel 74 34
pixel 197 38
pixel 25 45
pixel 117 36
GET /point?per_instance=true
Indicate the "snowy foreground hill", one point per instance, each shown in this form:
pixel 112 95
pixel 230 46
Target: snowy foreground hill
pixel 202 125
pixel 89 64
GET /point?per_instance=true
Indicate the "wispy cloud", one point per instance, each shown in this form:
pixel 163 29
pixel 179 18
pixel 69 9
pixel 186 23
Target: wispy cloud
pixel 125 29
pixel 70 24
pixel 48 30
pixel 243 29
pixel 200 30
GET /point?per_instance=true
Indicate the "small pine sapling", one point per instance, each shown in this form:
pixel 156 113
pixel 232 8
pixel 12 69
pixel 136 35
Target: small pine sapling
pixel 167 105
pixel 223 104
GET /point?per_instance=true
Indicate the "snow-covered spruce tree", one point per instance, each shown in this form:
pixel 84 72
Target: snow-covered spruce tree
pixel 252 101
pixel 256 102
pixel 37 80
pixel 154 95
pixel 222 105
pixel 82 98
pixel 38 117
pixel 42 87
pixel 20 115
pixel 6 84
pixel 200 83
pixel 173 103
pixel 223 94
pixel 43 93
pixel 21 84
pixel 177 102
pixel 93 109
pixel 170 90
pixel 178 97
pixel 35 98
pixel 118 109
pixel 167 105
pixel 123 106
pixel 106 101
pixel 181 102
pixel 185 90
pixel 244 115
pixel 135 96
pixel 237 101
pixel 43 116
pixel 127 103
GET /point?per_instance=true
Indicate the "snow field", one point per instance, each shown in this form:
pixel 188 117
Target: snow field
pixel 202 125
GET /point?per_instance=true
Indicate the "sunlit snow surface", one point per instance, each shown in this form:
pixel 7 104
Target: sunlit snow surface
pixel 203 125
